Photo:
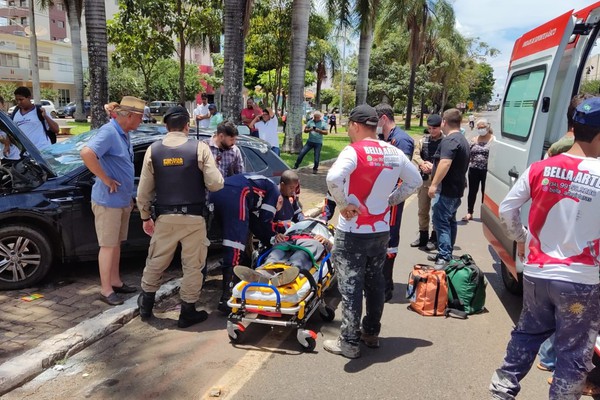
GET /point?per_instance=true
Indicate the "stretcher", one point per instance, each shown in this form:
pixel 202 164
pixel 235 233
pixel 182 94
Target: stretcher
pixel 290 305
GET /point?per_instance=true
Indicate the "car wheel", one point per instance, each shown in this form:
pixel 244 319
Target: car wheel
pixel 511 284
pixel 54 114
pixel 25 257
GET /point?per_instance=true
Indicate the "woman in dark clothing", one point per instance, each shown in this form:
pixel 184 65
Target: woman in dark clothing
pixel 480 151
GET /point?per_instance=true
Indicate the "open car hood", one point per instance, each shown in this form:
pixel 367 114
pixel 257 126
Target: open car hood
pixel 23 143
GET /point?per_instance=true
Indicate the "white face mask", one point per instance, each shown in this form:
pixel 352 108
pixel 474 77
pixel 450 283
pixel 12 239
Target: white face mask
pixel 482 131
pixel 379 130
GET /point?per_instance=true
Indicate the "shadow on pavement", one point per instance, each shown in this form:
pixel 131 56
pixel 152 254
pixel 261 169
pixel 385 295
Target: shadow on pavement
pixel 391 348
pixel 511 302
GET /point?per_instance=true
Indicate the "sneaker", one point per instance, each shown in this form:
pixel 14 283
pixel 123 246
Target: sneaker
pixel 249 275
pixel 371 341
pixel 432 257
pixel 286 276
pixel 315 172
pixel 431 246
pixel 544 367
pixel 440 264
pixel 341 348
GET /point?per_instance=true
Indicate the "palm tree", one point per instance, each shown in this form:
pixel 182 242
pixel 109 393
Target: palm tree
pixel 416 15
pixel 95 22
pixel 323 51
pixel 236 16
pixel 300 17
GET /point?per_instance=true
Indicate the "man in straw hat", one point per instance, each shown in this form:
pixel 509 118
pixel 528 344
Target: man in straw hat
pixel 109 156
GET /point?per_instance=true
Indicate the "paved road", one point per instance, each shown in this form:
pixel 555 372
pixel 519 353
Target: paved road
pixel 420 357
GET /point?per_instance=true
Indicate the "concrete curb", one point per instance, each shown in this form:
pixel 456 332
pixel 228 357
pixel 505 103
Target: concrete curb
pixel 28 365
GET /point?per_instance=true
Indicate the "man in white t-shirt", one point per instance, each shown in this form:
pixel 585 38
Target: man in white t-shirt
pixel 267 129
pixel 559 249
pixel 363 182
pixel 202 113
pixel 27 119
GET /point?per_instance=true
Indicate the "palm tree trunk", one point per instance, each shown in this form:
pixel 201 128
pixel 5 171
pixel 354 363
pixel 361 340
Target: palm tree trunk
pixel 74 8
pixel 34 59
pixel 182 46
pixel 233 57
pixel 300 15
pixel 95 17
pixel 364 55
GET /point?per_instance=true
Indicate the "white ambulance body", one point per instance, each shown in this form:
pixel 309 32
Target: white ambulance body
pixel 545 72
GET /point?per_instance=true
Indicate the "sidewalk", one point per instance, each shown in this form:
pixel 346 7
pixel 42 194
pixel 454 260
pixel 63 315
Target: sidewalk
pixel 35 335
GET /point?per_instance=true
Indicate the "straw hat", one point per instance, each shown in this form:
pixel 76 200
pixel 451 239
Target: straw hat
pixel 132 104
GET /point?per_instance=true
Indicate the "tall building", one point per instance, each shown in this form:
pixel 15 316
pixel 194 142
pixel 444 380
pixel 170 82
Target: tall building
pixel 54 46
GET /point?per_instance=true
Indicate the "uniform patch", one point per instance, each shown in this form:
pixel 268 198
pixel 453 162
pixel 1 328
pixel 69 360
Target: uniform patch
pixel 172 162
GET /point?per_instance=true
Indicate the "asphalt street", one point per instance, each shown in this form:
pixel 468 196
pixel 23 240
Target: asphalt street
pixel 420 357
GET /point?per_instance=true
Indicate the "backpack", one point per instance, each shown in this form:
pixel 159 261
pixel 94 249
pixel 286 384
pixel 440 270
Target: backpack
pixel 51 134
pixel 427 291
pixel 466 284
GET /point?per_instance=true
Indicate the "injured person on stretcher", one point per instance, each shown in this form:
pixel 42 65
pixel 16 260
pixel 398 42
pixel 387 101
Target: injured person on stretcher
pixel 299 248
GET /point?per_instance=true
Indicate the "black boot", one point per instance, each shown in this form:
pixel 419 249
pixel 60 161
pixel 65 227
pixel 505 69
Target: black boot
pixel 226 290
pixel 421 240
pixel 145 302
pixel 388 269
pixel 432 242
pixel 190 316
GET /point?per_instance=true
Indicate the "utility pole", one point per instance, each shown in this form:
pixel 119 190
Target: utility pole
pixel 33 62
pixel 342 77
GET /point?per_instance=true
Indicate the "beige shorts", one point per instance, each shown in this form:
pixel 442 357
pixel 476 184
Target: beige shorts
pixel 112 224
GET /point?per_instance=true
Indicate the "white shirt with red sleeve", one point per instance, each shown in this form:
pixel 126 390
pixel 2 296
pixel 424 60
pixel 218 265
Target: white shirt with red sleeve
pixel 365 174
pixel 563 234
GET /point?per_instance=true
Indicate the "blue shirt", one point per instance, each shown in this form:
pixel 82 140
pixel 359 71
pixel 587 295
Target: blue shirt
pixel 402 140
pixel 115 153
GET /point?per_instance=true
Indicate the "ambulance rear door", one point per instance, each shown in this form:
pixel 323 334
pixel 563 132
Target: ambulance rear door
pixel 532 87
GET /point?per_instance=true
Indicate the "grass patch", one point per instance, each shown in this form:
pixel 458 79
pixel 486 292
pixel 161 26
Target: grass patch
pixel 78 127
pixel 332 145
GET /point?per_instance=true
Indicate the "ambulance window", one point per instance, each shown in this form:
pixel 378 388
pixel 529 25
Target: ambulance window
pixel 521 102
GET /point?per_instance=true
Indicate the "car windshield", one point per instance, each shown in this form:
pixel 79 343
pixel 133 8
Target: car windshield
pixel 155 104
pixel 63 157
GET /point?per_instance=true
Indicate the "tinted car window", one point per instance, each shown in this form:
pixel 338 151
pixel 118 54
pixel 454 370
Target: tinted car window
pixel 254 162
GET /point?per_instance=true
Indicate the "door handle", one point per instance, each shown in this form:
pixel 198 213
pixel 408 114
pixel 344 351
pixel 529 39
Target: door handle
pixel 514 175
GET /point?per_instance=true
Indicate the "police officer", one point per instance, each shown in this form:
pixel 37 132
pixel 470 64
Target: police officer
pixel 246 204
pixel 423 159
pixel 175 175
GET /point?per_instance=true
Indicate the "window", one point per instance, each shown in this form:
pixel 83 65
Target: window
pixel 61 24
pixel 521 103
pixel 44 62
pixel 64 97
pixel 23 3
pixel 253 161
pixel 23 21
pixel 9 60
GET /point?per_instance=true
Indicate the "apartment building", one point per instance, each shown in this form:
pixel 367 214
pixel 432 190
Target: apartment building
pixel 54 46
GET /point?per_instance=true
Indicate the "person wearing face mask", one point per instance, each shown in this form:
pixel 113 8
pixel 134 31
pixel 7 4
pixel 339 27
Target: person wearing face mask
pixel 389 132
pixel 478 160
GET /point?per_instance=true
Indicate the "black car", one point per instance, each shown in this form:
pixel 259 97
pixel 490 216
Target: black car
pixel 69 109
pixel 160 107
pixel 45 211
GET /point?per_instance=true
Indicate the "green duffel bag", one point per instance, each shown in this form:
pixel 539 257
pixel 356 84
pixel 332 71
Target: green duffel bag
pixel 466 287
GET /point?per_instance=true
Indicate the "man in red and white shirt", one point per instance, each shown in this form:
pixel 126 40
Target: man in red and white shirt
pixel 363 182
pixel 560 278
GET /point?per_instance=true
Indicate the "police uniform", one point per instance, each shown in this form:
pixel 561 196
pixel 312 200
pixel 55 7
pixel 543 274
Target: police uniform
pixel 424 151
pixel 175 175
pixel 246 204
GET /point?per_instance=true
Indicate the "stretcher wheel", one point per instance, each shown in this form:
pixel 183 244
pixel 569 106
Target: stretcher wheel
pixel 240 336
pixel 327 314
pixel 312 343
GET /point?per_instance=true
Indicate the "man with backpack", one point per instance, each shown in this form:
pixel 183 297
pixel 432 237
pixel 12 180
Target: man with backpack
pixel 38 126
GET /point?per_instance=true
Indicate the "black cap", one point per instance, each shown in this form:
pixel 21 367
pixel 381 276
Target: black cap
pixel 364 114
pixel 434 120
pixel 175 111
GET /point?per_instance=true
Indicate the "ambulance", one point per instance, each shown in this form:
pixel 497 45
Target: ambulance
pixel 547 66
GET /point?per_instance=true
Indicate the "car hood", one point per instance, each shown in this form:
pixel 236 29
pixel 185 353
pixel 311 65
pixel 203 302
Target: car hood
pixel 23 141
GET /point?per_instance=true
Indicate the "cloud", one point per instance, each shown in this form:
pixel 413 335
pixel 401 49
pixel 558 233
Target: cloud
pixel 500 23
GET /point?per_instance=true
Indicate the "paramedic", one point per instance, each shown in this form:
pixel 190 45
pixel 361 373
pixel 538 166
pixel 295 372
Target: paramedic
pixel 176 174
pixel 246 204
pixel 291 209
pixel 362 234
pixel 560 277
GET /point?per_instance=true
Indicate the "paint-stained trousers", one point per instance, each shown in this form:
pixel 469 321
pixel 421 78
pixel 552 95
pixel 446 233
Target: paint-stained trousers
pixel 358 259
pixel 169 230
pixel 569 310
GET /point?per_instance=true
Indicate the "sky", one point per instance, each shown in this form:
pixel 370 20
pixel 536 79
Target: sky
pixel 500 22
